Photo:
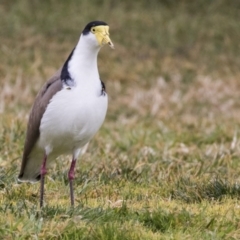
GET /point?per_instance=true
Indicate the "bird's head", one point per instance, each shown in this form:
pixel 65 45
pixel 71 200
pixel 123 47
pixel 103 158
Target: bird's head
pixel 98 32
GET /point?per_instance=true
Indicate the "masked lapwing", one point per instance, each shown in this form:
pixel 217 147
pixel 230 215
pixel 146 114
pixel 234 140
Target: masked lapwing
pixel 68 110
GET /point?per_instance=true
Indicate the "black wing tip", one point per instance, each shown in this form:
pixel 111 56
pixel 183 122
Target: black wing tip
pixel 38 178
pixel 20 175
pixel 22 179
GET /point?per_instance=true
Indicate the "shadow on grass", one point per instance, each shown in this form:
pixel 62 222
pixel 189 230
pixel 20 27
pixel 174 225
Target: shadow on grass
pixel 193 191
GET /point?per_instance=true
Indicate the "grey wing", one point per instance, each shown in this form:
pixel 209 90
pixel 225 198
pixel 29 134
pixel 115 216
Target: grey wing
pixel 50 88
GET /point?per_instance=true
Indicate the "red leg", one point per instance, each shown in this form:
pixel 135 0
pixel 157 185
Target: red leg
pixel 43 173
pixel 70 178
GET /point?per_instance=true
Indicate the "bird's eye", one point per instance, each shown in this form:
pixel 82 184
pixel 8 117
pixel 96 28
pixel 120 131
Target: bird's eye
pixel 93 29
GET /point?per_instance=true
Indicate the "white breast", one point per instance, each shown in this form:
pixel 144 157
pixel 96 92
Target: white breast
pixel 72 118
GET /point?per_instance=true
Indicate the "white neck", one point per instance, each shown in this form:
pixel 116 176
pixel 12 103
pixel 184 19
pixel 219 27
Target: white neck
pixel 83 64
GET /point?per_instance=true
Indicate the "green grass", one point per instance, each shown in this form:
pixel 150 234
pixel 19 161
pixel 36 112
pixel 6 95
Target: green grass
pixel 165 164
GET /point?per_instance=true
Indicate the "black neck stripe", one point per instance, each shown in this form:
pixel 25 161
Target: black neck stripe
pixel 65 75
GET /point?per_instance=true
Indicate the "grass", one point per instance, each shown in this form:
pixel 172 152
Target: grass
pixel 165 164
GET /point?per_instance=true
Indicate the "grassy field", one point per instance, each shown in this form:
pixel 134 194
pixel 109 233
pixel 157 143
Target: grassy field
pixel 166 163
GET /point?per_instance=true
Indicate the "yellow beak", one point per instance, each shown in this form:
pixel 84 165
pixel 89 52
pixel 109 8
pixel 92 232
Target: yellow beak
pixel 102 35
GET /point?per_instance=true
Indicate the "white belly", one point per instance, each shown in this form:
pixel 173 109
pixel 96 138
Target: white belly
pixel 71 119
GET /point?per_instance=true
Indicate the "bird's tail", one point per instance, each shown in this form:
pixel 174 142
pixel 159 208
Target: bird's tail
pixel 30 172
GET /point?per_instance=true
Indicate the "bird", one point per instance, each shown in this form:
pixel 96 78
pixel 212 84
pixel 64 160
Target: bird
pixel 68 110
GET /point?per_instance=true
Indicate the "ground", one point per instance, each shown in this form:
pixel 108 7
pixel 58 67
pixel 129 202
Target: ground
pixel 165 164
